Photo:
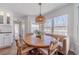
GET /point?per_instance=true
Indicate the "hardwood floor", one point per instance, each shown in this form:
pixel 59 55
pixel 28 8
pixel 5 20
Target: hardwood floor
pixel 9 50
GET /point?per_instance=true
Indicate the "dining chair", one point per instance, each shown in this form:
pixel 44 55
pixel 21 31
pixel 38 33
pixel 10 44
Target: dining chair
pixel 65 46
pixel 21 49
pixel 51 50
pixel 18 47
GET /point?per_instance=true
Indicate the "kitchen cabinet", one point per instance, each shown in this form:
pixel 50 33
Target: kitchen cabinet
pixel 6 29
pixel 5 40
pixel 1 41
pixel 5 17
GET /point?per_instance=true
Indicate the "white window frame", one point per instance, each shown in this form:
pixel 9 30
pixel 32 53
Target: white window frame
pixel 61 26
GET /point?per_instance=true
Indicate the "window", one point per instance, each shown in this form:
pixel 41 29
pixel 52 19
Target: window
pixel 34 26
pixel 48 26
pixel 61 25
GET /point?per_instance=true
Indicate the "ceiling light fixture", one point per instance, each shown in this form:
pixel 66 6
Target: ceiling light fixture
pixel 40 18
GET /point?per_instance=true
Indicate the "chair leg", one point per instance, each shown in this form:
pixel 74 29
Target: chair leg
pixel 56 52
pixel 19 52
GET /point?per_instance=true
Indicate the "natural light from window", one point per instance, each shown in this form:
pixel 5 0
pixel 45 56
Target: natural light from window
pixel 61 25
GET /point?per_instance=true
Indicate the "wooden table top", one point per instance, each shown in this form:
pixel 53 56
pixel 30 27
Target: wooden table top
pixel 31 40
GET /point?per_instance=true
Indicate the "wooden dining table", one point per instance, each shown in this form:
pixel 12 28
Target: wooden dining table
pixel 33 41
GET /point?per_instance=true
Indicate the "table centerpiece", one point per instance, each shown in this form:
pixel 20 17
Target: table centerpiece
pixel 39 34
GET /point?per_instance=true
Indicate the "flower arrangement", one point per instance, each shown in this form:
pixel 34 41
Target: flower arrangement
pixel 38 34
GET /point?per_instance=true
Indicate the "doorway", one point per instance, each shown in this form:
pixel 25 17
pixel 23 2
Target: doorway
pixel 19 29
pixel 16 30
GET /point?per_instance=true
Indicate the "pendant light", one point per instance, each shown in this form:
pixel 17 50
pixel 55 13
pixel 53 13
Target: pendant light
pixel 40 18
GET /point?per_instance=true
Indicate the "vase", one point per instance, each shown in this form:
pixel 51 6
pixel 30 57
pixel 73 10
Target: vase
pixel 39 36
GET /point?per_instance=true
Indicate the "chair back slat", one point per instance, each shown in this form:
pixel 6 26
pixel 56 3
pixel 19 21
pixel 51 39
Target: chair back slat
pixel 53 46
pixel 18 47
pixel 17 43
pixel 64 46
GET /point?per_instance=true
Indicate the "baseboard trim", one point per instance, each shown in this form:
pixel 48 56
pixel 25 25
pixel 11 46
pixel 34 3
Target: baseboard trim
pixel 72 51
pixel 5 47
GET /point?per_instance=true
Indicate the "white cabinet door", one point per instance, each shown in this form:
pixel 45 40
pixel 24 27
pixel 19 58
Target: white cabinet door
pixel 1 41
pixel 7 40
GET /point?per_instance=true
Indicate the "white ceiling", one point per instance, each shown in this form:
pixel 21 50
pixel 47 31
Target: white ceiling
pixel 30 8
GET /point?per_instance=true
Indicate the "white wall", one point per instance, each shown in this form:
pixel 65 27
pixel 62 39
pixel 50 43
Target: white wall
pixel 68 9
pixel 76 28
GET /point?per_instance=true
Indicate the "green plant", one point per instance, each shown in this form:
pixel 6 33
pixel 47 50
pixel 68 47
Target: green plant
pixel 38 34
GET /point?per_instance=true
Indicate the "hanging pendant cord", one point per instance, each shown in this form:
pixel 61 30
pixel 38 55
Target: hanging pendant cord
pixel 40 8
